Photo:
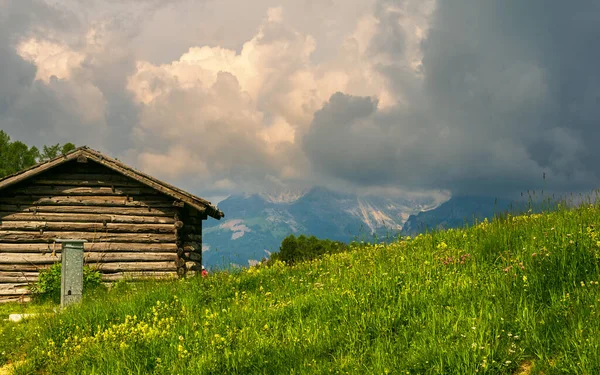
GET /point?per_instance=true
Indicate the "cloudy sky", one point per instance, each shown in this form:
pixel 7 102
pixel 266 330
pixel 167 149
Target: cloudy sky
pixel 218 97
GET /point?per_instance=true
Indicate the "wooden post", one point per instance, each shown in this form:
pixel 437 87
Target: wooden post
pixel 71 286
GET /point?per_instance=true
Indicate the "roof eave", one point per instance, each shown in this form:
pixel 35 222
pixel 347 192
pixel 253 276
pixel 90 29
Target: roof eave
pixel 196 202
pixel 38 168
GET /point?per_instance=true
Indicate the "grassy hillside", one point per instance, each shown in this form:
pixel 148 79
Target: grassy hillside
pixel 519 295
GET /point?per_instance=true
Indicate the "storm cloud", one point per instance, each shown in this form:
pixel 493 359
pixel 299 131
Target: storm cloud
pixel 464 96
pixel 507 91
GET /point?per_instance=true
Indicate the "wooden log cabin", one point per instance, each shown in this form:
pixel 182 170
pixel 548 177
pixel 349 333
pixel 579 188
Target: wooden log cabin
pixel 135 225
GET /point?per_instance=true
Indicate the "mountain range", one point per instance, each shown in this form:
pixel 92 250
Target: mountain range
pixel 255 224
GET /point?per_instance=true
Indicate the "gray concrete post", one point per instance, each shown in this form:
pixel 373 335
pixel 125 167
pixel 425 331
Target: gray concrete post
pixel 71 285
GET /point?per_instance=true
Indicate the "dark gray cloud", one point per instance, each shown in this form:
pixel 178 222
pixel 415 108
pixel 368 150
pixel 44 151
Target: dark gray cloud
pixel 27 109
pixel 509 91
pixel 16 75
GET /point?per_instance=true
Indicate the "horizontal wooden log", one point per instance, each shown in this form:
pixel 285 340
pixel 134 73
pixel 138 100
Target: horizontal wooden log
pixel 47 236
pixel 101 267
pixel 86 218
pixel 88 246
pixel 135 266
pixel 28 258
pixel 71 190
pixel 190 246
pixel 128 257
pixel 90 257
pixel 86 227
pixel 12 289
pixel 193 201
pixel 92 182
pixel 102 201
pixel 137 211
pixel 9 181
pixel 23 267
pixel 138 275
pixel 86 179
pixel 18 277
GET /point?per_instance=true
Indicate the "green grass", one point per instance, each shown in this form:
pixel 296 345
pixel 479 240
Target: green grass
pixel 517 295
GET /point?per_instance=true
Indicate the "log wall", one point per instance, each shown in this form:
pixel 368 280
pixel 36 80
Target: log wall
pixel 132 230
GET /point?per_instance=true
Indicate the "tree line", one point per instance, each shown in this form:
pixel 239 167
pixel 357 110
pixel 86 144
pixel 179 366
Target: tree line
pixel 16 155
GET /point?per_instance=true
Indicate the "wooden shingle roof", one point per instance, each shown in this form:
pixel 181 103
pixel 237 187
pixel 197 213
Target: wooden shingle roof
pixel 198 203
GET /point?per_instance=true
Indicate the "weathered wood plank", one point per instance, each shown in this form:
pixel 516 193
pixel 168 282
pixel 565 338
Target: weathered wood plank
pixel 193 201
pixel 100 257
pixel 88 218
pixel 33 237
pixel 36 171
pixel 18 277
pixel 71 190
pixel 23 267
pixel 134 266
pixel 12 289
pixel 104 201
pixel 88 182
pixel 28 258
pixel 187 246
pixel 138 275
pixel 146 211
pixel 101 267
pixel 85 227
pixel 89 258
pixel 89 246
pixel 86 179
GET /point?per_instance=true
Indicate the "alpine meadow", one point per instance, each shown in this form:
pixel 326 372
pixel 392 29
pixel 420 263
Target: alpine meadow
pixel 515 295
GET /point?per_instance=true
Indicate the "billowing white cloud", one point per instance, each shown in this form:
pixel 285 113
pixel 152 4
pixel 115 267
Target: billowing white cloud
pixel 51 59
pixel 242 113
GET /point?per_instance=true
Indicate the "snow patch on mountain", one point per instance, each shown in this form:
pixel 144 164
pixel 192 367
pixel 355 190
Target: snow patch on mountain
pixel 277 216
pixel 375 218
pixel 237 227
